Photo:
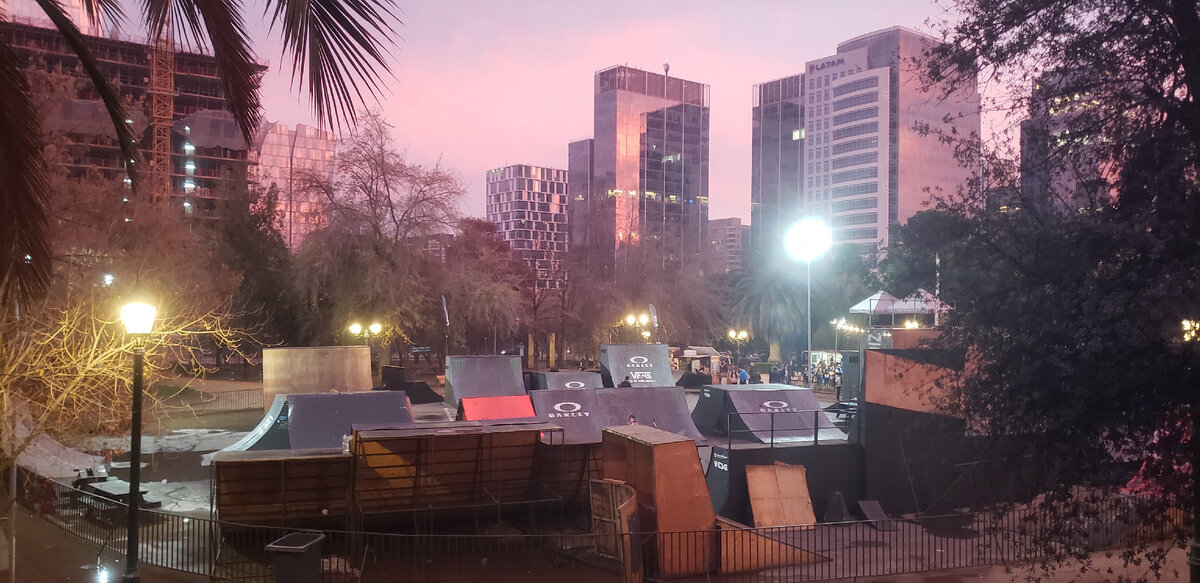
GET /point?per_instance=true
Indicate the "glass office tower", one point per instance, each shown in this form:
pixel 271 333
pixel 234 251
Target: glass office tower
pixel 648 195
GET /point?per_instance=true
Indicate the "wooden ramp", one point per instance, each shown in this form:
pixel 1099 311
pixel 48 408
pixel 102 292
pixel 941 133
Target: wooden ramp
pixel 744 550
pixel 779 495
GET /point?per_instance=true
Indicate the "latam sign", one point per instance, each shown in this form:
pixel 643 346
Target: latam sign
pixel 817 66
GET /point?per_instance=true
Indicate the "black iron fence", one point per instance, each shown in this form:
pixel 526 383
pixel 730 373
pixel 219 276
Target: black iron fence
pixel 231 552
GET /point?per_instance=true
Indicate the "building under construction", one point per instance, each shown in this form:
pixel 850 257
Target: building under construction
pixel 192 128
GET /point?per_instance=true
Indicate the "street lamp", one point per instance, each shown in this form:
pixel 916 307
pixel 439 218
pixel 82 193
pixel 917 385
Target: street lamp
pixel 738 337
pixel 641 321
pixel 805 241
pixel 372 330
pixel 138 318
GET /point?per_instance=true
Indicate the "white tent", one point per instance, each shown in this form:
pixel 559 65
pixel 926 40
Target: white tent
pixel 920 302
pixel 878 303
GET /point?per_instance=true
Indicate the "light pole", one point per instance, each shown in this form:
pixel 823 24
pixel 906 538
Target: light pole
pixel 805 241
pixel 738 337
pixel 138 318
pixel 372 330
pixel 640 321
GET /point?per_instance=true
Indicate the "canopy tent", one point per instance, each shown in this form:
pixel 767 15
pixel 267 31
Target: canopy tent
pixel 920 302
pixel 882 303
pixel 878 303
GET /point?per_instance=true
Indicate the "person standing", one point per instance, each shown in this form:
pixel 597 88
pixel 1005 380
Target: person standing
pixel 743 377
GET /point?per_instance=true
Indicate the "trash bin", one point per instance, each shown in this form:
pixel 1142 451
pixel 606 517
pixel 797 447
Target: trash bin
pixel 297 557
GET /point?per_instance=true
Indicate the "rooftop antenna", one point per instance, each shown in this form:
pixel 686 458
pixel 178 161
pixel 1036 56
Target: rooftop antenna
pixel 666 73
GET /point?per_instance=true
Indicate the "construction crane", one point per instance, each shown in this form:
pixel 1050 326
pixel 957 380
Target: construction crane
pixel 162 111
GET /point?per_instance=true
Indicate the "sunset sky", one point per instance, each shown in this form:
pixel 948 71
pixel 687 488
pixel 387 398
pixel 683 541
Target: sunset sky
pixel 485 84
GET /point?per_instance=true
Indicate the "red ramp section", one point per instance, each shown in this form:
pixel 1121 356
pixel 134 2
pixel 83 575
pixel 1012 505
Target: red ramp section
pixel 485 408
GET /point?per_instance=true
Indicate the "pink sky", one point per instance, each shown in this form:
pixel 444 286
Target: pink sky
pixel 485 84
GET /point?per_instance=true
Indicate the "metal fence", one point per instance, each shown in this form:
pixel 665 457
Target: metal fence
pixel 211 401
pixel 229 552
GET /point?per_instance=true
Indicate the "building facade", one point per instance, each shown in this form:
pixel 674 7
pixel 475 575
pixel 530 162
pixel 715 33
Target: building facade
pixel 648 161
pixel 290 159
pixel 207 147
pixel 528 205
pixel 856 156
pixel 1067 163
pixel 727 241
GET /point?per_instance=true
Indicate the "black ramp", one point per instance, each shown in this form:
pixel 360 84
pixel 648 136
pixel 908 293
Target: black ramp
pixel 320 420
pixel 785 415
pixel 270 433
pixel 875 515
pixel 482 376
pixel 693 379
pixel 646 365
pixel 662 407
pixel 574 410
pixel 569 380
pixel 709 414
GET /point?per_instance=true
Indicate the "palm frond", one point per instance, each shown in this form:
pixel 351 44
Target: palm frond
pixel 99 11
pixel 108 94
pixel 24 234
pixel 219 24
pixel 335 44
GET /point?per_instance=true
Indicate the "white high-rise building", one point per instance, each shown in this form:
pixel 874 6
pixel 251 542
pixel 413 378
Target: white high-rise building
pixel 851 121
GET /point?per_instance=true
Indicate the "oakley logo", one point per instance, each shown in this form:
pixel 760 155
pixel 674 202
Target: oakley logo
pixel 573 385
pixel 775 404
pixel 639 359
pixel 567 407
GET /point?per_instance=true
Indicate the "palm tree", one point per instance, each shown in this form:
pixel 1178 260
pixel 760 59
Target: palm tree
pixel 338 48
pixel 770 300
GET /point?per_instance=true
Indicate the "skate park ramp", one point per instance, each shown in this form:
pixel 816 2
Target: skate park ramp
pixel 395 379
pixel 271 433
pixel 583 414
pixel 482 376
pixel 661 407
pixel 321 420
pixel 646 365
pixel 769 413
pixel 514 407
pixel 575 410
pixel 569 380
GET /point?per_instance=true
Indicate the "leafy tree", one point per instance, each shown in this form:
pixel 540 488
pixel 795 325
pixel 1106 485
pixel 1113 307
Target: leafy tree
pixel 1071 313
pixel 335 47
pixel 369 260
pixel 769 297
pixel 251 246
pixel 486 287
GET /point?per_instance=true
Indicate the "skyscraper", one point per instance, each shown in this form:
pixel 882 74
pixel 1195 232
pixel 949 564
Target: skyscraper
pixel 528 205
pixel 727 238
pixel 649 172
pixel 1067 162
pixel 287 158
pixel 858 154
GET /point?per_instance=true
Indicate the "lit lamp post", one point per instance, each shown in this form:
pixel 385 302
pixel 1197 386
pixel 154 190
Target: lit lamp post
pixel 138 318
pixel 738 337
pixel 372 330
pixel 641 321
pixel 808 240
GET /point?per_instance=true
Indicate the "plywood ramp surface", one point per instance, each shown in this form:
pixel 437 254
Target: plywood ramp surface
pixel 744 550
pixel 779 495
